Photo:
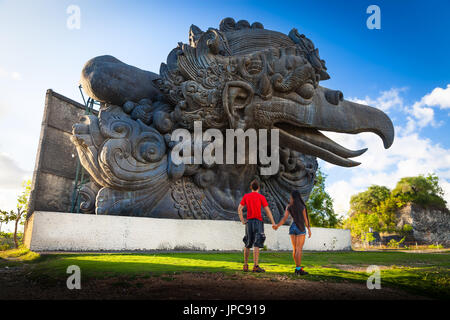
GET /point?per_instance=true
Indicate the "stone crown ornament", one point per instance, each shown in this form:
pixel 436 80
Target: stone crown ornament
pixel 236 76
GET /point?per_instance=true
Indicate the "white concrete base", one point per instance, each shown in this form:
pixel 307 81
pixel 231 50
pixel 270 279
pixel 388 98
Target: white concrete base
pixel 54 231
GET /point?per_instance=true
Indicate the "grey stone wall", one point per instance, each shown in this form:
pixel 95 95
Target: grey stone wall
pixel 56 159
pixel 430 225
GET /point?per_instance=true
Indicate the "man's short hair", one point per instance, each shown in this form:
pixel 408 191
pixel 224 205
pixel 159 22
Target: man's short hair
pixel 254 185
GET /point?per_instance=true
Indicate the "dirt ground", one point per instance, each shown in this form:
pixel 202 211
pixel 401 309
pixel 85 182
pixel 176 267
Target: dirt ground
pixel 15 283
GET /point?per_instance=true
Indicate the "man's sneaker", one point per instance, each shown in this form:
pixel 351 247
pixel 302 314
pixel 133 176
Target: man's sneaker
pixel 258 269
pixel 245 268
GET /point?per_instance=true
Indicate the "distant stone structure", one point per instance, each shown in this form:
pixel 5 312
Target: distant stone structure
pixel 430 225
pixel 239 75
pixel 56 159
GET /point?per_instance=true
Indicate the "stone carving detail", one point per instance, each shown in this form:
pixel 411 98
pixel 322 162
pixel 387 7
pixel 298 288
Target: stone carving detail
pixel 88 193
pixel 237 76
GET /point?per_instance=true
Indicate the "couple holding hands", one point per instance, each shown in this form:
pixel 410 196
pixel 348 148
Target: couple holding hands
pixel 254 230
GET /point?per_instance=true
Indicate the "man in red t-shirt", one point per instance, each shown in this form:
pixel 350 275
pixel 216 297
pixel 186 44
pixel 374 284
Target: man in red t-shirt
pixel 254 226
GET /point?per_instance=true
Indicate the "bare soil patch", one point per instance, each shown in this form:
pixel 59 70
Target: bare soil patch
pixel 15 283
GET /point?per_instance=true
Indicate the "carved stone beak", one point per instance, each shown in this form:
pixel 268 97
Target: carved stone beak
pixel 328 111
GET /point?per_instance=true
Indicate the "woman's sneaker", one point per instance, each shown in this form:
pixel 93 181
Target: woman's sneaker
pixel 258 269
pixel 245 268
pixel 301 272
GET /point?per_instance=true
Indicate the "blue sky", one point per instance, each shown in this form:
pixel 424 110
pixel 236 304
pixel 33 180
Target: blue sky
pixel 398 68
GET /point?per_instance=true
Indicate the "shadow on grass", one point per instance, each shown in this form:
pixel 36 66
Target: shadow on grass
pixel 431 279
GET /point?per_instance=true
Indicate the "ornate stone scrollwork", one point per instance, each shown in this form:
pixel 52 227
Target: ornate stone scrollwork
pixel 88 193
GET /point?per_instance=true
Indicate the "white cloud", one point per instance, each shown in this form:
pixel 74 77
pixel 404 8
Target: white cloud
pixel 424 115
pixel 418 115
pixel 11 178
pixel 445 184
pixel 438 97
pixel 11 175
pixel 410 154
pixel 421 113
pixel 3 73
pixel 341 191
pixel 3 109
pixel 386 100
pixel 14 75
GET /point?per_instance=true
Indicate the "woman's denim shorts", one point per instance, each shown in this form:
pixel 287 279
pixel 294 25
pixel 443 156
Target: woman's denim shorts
pixel 295 230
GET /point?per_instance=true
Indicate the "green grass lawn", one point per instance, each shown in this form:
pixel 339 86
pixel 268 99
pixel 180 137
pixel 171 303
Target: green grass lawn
pixel 426 274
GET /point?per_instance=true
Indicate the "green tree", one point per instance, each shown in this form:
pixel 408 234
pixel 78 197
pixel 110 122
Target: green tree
pixel 360 224
pixel 422 190
pixel 377 207
pixel 368 200
pixel 371 209
pixel 19 214
pixel 320 205
pixel 4 218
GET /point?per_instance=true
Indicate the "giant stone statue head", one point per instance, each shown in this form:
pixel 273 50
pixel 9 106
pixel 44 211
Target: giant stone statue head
pixel 238 76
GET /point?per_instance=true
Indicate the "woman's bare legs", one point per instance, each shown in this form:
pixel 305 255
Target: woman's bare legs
pixel 297 244
pixel 300 241
pixel 294 243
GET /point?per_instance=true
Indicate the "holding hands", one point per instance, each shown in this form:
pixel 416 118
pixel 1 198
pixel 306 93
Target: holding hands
pixel 275 226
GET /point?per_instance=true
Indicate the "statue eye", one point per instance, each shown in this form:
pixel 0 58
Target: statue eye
pixel 306 91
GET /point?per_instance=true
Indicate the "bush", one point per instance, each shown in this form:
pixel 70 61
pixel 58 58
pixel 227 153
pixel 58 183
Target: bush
pixel 7 240
pixel 367 237
pixel 407 228
pixel 395 244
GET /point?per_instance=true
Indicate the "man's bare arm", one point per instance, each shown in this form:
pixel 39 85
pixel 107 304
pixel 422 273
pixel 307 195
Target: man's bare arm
pixel 269 214
pixel 241 214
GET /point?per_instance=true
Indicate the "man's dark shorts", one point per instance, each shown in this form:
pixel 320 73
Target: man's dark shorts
pixel 254 234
